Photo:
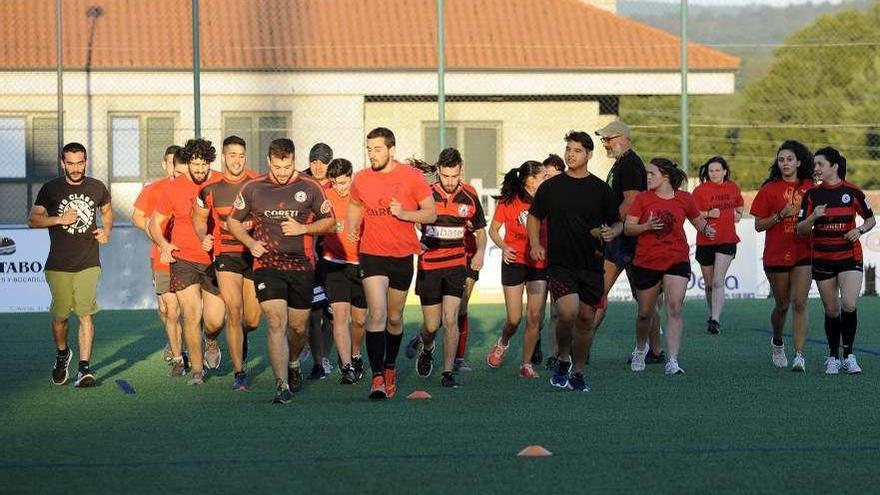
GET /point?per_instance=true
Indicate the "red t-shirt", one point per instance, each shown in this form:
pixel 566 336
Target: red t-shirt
pixel 514 215
pixel 217 195
pixel 383 233
pixel 337 247
pixel 661 249
pixel 725 196
pixel 782 245
pixel 178 202
pixel 146 202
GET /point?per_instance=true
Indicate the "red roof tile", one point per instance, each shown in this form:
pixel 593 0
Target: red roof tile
pixel 343 34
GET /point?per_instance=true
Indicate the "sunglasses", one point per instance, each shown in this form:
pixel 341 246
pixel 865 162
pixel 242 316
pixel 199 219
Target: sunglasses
pixel 607 139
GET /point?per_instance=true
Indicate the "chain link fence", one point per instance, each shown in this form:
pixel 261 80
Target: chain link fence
pixel 519 75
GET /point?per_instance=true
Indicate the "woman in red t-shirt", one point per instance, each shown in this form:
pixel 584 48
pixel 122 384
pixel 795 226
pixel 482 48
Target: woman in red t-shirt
pixel 787 256
pixel 721 204
pixel 662 255
pixel 518 270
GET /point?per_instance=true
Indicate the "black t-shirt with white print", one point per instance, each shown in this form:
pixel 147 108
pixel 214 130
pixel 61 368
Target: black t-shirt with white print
pixel 73 248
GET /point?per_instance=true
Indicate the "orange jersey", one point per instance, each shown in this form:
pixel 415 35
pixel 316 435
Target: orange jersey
pixel 178 202
pixel 514 215
pixel 146 202
pixel 337 247
pixel 217 195
pixel 383 233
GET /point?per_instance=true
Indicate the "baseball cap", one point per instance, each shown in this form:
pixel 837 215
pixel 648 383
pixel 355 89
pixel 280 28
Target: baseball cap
pixel 615 128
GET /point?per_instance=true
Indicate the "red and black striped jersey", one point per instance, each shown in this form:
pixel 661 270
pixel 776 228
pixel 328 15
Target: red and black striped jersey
pixel 218 195
pixel 444 240
pixel 842 201
pixel 470 238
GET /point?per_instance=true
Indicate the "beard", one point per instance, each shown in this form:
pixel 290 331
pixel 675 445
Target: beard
pixel 377 167
pixel 82 177
pixel 200 179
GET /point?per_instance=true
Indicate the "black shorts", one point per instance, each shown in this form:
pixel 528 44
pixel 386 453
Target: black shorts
pixel 705 255
pixel 240 263
pixel 784 269
pixel 621 251
pixel 292 286
pixel 589 285
pixel 645 278
pixel 186 273
pixel 398 270
pixel 513 274
pixel 826 269
pixel 432 285
pixel 342 281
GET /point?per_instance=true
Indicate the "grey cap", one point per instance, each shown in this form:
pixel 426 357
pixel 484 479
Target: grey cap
pixel 321 152
pixel 614 128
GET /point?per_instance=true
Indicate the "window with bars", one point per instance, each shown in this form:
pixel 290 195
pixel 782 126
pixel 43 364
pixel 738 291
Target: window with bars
pixel 137 146
pixel 258 129
pixel 29 151
pixel 478 143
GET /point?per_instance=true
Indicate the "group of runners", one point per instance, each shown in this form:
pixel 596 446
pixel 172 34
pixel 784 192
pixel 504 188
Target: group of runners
pixel 328 254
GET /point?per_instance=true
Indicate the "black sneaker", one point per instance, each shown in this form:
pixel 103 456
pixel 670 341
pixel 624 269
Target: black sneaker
pixel 713 327
pixel 577 383
pixel 283 395
pixel 448 380
pixel 295 378
pixel 652 358
pixel 537 354
pixel 59 371
pixel 85 378
pixel 425 363
pixel 412 347
pixel 348 376
pixel 357 363
pixel 317 372
pixel 551 363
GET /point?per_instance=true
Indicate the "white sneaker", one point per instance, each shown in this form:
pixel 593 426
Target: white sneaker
pixel 778 355
pixel 832 366
pixel 638 358
pixel 672 367
pixel 328 368
pixel 851 366
pixel 798 363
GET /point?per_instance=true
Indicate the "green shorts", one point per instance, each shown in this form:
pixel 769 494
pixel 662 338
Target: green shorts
pixel 73 291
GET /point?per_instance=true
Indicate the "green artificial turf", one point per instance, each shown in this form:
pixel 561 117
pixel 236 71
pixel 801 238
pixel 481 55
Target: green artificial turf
pixel 733 423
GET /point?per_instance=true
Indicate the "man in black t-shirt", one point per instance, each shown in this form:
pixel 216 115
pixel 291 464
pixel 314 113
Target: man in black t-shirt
pixel 68 206
pixel 581 214
pixel 627 178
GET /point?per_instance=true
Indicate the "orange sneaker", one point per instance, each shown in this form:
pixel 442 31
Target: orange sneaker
pixel 377 388
pixel 496 355
pixel 390 383
pixel 527 371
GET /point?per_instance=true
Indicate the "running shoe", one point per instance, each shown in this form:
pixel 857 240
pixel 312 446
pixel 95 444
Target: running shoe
pixel 447 380
pixel 412 347
pixel 240 381
pixel 851 366
pixel 577 382
pixel 390 383
pixel 559 378
pixel 212 354
pixel 294 378
pixel 196 378
pixel 638 358
pixel 177 367
pixel 798 363
pixel 528 371
pixel 60 372
pixel 85 378
pixel 348 376
pixel 832 365
pixel 672 367
pixel 651 358
pixel 328 368
pixel 357 363
pixel 713 327
pixel 377 388
pixel 317 372
pixel 496 355
pixel 461 366
pixel 425 363
pixel 283 395
pixel 550 364
pixel 780 360
pixel 167 354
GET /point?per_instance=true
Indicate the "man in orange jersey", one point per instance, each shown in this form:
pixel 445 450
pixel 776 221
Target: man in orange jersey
pixel 232 260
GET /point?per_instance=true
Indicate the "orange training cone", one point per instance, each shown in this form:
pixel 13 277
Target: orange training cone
pixel 534 451
pixel 419 394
